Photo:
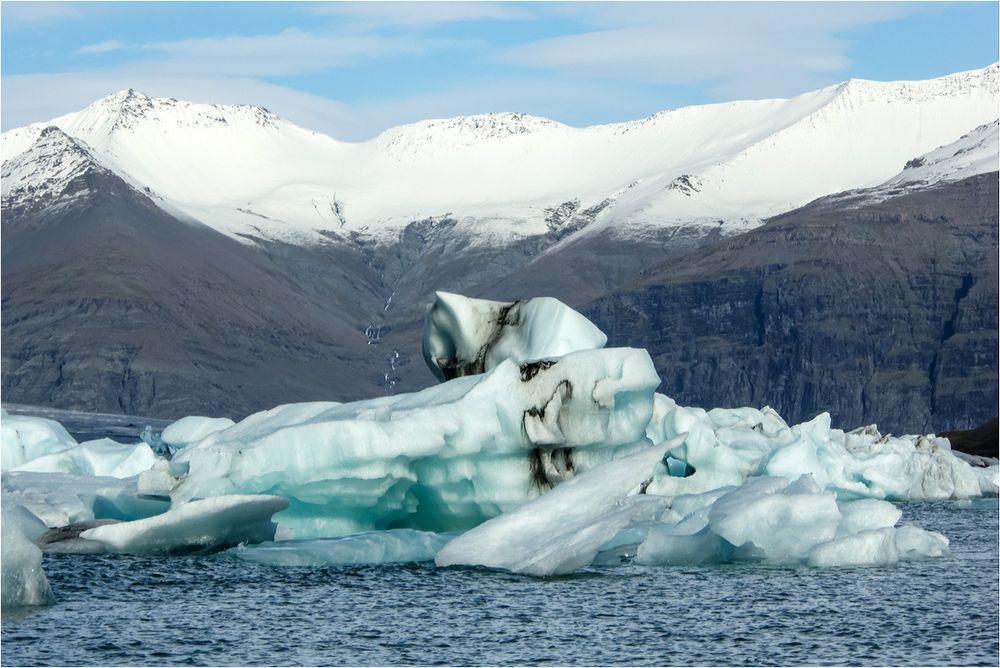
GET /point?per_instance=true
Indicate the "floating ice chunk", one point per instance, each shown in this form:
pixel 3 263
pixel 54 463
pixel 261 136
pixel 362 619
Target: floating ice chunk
pixel 23 580
pixel 880 547
pixel 374 547
pixel 24 438
pixel 563 530
pixel 766 521
pixel 464 336
pixel 914 543
pixel 726 446
pixel 102 457
pixel 192 429
pixel 867 515
pixel 867 548
pixel 663 547
pixel 442 459
pixel 195 527
pixel 58 499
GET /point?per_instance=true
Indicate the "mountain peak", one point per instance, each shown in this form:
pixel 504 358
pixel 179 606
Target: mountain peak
pixel 462 131
pixel 50 172
pixel 128 109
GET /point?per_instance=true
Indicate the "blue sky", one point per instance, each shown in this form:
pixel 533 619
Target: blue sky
pixel 353 69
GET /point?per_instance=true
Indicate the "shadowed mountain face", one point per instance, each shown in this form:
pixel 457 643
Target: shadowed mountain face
pixel 884 313
pixel 110 304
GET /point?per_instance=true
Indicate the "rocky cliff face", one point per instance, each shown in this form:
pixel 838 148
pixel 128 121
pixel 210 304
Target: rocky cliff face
pixel 884 313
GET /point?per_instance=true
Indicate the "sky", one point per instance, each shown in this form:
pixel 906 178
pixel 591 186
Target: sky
pixel 351 70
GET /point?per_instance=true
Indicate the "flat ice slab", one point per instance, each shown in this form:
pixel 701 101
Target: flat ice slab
pixel 195 527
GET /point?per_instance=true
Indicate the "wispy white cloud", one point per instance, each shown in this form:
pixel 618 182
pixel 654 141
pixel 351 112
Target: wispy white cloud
pixel 737 48
pixel 292 51
pixel 369 15
pixel 18 15
pixel 614 64
pixel 103 47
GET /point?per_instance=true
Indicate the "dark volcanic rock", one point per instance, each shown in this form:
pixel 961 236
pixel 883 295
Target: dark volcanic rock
pixel 884 313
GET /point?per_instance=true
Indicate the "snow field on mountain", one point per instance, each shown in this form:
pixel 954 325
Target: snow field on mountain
pixel 243 170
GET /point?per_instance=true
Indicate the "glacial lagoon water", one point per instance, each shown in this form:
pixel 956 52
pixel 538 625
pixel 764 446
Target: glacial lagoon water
pixel 220 610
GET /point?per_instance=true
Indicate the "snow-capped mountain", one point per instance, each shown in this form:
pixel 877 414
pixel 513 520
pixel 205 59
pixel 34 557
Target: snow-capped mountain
pixel 245 171
pixel 977 152
pixel 974 153
pixel 45 173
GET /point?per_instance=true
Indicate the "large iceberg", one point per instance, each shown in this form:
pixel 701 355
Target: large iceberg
pixel 445 458
pixel 550 451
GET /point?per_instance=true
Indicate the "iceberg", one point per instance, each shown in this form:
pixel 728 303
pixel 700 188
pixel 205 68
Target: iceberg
pixel 770 520
pixel 59 499
pixel 195 527
pixel 443 459
pixel 24 438
pixel 563 530
pixel 101 458
pixel 192 429
pixel 395 546
pixel 727 446
pixel 548 450
pixel 464 336
pixel 23 579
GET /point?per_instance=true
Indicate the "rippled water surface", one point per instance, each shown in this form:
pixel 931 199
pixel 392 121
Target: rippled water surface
pixel 219 610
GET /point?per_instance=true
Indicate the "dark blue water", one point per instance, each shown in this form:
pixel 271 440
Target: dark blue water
pixel 219 610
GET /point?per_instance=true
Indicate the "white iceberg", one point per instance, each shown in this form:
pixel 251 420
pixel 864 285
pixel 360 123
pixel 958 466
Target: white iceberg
pixel 103 457
pixel 24 438
pixel 727 446
pixel 771 520
pixel 58 499
pixel 464 336
pixel 446 458
pixel 23 579
pixel 563 530
pixel 374 547
pixel 195 527
pixel 192 429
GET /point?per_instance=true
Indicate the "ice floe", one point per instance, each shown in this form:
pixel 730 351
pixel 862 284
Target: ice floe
pixel 373 547
pixel 195 527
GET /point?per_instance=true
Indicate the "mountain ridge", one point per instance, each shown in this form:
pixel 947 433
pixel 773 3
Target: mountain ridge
pixel 240 168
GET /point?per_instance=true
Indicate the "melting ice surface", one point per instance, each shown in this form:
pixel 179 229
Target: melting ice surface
pixel 548 450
